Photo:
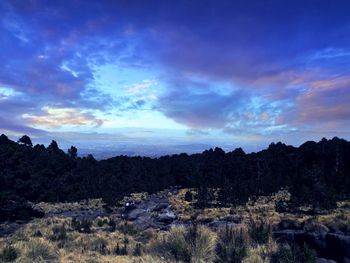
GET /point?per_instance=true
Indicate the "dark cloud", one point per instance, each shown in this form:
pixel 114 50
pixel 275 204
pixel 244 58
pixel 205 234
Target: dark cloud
pixel 203 108
pixel 272 57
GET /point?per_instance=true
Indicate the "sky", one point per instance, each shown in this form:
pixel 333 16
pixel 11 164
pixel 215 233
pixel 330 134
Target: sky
pixel 154 77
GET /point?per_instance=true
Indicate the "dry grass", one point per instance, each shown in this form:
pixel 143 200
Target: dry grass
pixel 41 240
pixel 263 210
pixel 261 253
pixel 34 243
pixel 194 244
pixel 90 204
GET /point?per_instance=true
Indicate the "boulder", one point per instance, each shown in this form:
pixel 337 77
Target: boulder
pixel 338 244
pixel 328 245
pixel 134 214
pixel 167 217
pixel 160 206
pixel 323 260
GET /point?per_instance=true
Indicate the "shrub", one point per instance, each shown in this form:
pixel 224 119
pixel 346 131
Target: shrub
pixel 137 250
pixel 83 226
pixel 9 254
pixel 259 232
pixel 127 229
pixel 294 254
pixel 232 245
pixel 59 233
pixel 261 253
pixel 194 244
pixel 112 225
pixel 189 196
pixel 203 244
pixel 124 250
pixel 38 250
pixel 117 250
pixel 177 245
pixel 281 206
pixel 100 222
pixel 37 233
pixel 99 245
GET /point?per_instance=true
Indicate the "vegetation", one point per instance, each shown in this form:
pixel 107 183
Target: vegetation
pixel 194 244
pixel 9 254
pixel 282 187
pixel 59 239
pixel 232 245
pixel 316 174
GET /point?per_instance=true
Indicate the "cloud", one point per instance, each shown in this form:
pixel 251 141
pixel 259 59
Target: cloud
pixel 57 117
pixel 199 106
pixel 10 127
pixel 227 65
pixel 325 101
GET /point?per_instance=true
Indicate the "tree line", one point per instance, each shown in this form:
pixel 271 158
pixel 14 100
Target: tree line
pixel 316 173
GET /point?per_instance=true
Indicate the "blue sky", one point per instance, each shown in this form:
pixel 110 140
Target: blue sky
pixel 169 76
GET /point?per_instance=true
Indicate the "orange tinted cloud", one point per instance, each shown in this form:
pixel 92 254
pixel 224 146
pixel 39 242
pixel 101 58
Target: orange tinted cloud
pixel 58 117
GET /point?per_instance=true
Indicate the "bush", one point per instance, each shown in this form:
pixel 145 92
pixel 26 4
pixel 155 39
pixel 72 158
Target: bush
pixel 281 206
pixel 39 250
pixel 117 250
pixel 259 232
pixel 9 254
pixel 59 233
pixel 294 254
pixel 99 245
pixel 177 244
pixel 194 244
pixel 37 233
pixel 112 225
pixel 261 253
pixel 188 196
pixel 127 229
pixel 124 250
pixel 232 245
pixel 100 222
pixel 83 226
pixel 137 250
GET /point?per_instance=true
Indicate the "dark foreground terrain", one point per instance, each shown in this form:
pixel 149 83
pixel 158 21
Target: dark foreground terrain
pixel 168 227
pixel 282 204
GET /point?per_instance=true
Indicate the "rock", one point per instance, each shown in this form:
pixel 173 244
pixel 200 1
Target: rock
pixel 129 206
pixel 323 260
pixel 338 244
pixel 160 206
pixel 317 228
pixel 143 222
pixel 331 246
pixel 167 217
pixel 134 214
pixel 219 224
pixel 289 224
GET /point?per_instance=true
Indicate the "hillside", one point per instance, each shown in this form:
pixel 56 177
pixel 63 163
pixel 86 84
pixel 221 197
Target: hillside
pixel 168 227
pixel 316 174
pixel 282 204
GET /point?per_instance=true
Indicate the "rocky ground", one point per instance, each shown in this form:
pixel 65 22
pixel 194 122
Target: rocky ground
pixel 327 233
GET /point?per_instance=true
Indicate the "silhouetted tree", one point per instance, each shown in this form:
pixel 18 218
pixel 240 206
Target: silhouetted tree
pixel 53 147
pixel 316 174
pixel 25 140
pixel 73 152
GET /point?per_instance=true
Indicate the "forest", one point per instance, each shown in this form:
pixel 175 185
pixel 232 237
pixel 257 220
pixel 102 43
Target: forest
pixel 315 173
